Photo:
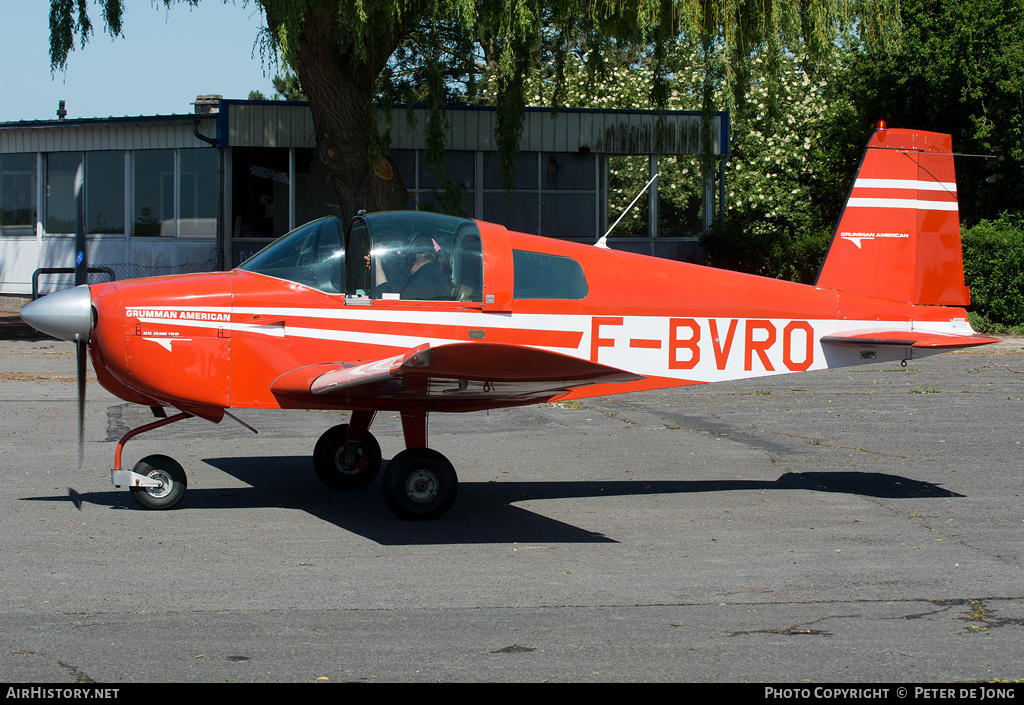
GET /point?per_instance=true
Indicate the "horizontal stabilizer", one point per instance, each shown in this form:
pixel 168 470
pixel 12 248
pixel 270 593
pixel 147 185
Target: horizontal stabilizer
pixel 913 339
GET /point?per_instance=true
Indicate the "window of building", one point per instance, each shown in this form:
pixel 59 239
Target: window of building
pixel 17 194
pixel 450 193
pixel 259 192
pixel 104 192
pixel 314 195
pixel 198 190
pixel 555 194
pixel 153 179
pixel 60 191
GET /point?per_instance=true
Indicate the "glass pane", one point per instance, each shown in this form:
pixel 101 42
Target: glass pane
pixel 626 178
pixel 154 193
pixel 568 215
pixel 405 163
pixel 526 171
pixel 516 212
pixel 411 255
pixel 358 250
pixel 259 192
pixel 542 276
pixel 467 264
pixel 569 171
pixel 18 194
pixel 60 191
pixel 311 255
pixel 314 196
pixel 458 166
pixel 198 193
pixel 104 192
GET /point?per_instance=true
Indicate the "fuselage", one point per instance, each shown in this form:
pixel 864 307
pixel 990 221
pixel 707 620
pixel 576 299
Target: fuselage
pixel 212 341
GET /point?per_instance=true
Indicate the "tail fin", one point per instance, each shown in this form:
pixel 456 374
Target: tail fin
pixel 899 235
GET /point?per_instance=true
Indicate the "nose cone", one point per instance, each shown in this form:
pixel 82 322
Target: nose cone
pixel 63 314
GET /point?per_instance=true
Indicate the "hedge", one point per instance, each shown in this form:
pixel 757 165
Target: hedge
pixel 994 270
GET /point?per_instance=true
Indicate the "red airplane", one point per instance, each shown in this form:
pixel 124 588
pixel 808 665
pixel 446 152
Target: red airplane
pixel 416 313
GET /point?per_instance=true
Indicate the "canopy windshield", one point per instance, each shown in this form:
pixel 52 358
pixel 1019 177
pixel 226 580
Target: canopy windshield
pixel 311 255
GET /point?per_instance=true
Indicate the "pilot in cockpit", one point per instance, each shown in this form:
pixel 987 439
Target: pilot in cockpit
pixel 421 265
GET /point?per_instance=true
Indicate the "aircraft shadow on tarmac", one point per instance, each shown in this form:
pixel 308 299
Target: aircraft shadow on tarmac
pixel 484 511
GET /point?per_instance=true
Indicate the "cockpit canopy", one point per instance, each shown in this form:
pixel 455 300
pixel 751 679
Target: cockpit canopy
pixel 311 255
pixel 399 255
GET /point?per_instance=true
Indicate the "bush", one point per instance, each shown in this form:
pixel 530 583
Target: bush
pixel 994 270
pixel 779 252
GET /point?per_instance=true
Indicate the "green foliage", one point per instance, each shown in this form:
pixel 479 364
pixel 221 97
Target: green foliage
pixel 957 68
pixel 349 53
pixel 451 197
pixel 994 271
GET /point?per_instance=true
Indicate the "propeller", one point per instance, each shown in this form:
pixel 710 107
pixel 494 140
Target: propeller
pixel 68 314
pixel 81 277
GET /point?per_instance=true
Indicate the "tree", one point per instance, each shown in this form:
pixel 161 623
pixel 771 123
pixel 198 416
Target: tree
pixel 341 49
pixel 958 68
pixel 286 87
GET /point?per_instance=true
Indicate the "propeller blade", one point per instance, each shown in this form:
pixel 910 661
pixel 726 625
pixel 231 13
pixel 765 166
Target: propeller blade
pixel 81 347
pixel 81 253
pixel 81 277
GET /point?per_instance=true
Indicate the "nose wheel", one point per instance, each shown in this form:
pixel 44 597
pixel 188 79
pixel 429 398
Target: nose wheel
pixel 170 481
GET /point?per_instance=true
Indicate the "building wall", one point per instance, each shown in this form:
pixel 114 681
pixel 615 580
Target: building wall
pixel 152 198
pixel 197 192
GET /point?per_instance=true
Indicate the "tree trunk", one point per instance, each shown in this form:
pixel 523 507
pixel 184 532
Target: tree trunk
pixel 340 93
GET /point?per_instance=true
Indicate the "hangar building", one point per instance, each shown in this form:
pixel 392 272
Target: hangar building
pixel 204 191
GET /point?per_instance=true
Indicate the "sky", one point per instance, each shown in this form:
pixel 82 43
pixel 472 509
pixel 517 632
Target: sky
pixel 164 60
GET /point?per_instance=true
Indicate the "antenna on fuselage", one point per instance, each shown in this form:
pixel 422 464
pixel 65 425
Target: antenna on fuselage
pixel 603 242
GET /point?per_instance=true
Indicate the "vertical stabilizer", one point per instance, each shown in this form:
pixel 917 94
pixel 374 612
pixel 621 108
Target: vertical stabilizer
pixel 899 235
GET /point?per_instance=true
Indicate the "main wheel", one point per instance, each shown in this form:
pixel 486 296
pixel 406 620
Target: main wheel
pixel 420 484
pixel 339 472
pixel 172 481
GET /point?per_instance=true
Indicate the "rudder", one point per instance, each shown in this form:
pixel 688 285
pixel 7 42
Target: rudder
pixel 899 235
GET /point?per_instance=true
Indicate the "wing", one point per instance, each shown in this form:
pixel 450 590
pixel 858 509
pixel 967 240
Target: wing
pixel 457 376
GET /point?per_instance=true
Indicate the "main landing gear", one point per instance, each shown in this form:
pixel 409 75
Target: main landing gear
pixel 418 484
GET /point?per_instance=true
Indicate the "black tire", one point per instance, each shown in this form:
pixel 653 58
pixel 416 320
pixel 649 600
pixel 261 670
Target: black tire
pixel 329 460
pixel 420 484
pixel 171 476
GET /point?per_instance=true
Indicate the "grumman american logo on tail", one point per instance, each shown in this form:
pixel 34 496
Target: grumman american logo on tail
pixel 856 238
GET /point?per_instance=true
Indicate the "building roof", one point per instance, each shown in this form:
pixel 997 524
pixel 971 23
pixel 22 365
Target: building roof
pixel 95 134
pixel 249 123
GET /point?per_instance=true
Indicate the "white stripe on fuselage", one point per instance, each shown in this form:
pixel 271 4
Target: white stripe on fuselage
pixel 690 348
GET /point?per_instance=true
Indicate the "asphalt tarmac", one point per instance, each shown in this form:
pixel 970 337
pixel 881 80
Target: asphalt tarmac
pixel 861 525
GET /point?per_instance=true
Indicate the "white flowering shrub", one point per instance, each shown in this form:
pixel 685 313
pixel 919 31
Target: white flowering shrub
pixel 772 225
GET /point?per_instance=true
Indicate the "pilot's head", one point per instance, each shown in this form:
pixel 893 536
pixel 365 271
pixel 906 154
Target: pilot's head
pixel 421 249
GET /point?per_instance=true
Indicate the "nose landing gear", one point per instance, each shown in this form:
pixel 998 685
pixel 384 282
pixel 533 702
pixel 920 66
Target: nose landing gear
pixel 156 481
